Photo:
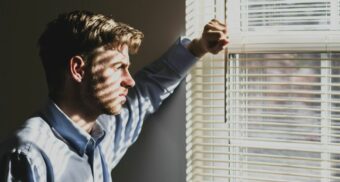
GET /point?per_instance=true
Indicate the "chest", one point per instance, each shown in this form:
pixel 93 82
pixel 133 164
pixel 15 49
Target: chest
pixel 67 165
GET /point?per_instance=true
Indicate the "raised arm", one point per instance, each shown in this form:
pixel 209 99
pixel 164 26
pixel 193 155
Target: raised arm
pixel 156 82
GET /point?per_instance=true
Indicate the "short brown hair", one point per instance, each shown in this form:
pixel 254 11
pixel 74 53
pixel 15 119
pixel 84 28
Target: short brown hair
pixel 80 33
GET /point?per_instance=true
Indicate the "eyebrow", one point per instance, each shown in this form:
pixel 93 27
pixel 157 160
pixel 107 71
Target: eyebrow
pixel 107 59
pixel 120 62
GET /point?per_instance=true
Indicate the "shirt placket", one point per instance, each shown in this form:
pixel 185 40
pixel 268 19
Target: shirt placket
pixel 97 166
pixel 95 161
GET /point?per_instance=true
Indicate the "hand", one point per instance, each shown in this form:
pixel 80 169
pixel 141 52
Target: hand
pixel 213 39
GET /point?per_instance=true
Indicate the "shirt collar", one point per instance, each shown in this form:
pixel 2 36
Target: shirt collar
pixel 74 135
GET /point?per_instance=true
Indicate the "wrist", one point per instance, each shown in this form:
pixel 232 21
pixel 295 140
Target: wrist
pixel 196 48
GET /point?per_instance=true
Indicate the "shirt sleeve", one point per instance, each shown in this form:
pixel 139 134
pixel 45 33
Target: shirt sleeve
pixel 158 80
pixel 154 84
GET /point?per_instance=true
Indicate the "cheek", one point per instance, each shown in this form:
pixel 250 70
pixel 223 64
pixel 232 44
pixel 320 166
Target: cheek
pixel 113 79
pixel 106 82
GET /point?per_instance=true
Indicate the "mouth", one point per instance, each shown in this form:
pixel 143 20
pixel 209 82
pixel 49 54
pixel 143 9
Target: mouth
pixel 123 96
pixel 123 100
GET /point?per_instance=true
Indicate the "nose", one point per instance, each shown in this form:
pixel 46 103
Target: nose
pixel 128 81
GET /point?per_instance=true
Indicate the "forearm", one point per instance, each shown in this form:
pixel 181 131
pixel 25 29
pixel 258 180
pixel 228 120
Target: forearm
pixel 163 76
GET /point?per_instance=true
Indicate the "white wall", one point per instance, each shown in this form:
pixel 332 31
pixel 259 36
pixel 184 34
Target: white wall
pixel 159 154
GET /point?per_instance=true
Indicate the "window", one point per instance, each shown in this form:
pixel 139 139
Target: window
pixel 268 108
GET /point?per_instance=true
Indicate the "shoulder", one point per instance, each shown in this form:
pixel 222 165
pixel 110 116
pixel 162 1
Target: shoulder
pixel 34 130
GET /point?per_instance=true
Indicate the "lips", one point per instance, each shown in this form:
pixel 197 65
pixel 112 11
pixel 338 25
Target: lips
pixel 123 95
pixel 123 99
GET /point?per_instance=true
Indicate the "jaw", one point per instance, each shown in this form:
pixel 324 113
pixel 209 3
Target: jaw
pixel 99 106
pixel 113 107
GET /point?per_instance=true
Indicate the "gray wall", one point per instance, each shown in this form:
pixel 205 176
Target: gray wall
pixel 159 154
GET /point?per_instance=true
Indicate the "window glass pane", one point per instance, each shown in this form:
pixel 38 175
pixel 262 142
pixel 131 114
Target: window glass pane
pixel 284 101
pixel 278 95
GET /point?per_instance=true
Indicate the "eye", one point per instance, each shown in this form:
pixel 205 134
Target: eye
pixel 119 67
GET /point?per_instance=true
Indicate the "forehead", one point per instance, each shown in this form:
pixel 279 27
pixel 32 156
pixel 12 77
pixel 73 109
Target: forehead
pixel 112 55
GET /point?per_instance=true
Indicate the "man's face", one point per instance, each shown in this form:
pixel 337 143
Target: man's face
pixel 107 83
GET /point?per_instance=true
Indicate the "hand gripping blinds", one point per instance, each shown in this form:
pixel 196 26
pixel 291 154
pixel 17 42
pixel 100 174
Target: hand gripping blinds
pixel 267 108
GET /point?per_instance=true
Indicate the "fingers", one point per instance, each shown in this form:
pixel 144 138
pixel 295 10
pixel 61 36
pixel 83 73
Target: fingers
pixel 215 36
pixel 216 21
pixel 213 39
pixel 216 25
pixel 216 41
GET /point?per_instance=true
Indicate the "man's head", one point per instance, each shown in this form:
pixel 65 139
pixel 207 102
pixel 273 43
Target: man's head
pixel 90 51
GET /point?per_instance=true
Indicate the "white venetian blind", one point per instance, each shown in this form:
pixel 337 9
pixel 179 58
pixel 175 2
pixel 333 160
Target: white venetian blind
pixel 206 128
pixel 270 109
pixel 284 25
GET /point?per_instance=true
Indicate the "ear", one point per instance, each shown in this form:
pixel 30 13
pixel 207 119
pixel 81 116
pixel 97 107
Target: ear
pixel 77 68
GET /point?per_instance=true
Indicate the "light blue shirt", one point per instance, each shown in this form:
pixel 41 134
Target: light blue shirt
pixel 50 147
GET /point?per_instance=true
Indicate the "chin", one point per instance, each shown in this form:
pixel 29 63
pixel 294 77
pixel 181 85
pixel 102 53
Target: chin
pixel 113 110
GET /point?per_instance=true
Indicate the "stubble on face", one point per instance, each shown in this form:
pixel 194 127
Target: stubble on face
pixel 103 87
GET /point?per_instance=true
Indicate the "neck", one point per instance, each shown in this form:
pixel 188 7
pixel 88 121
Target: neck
pixel 78 113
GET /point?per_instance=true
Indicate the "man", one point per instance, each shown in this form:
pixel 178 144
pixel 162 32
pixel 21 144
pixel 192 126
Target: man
pixel 96 109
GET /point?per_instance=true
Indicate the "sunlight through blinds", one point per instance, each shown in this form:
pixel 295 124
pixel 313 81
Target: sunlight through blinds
pixel 205 104
pixel 277 117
